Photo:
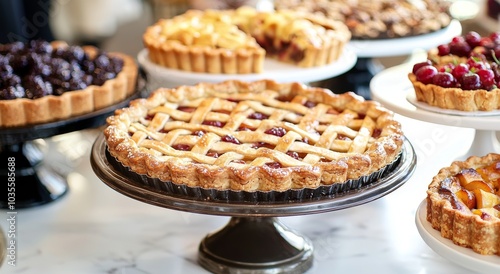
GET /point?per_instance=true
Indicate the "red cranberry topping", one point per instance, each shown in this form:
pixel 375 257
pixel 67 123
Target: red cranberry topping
pixel 276 131
pixel 182 147
pixel 444 79
pixel 274 165
pixel 214 123
pixel 425 74
pixel 497 207
pixel 149 117
pixel 309 104
pixel 293 154
pixel 198 133
pixel 230 139
pixel 376 132
pixel 186 109
pixel 213 154
pixel 417 66
pixel 258 116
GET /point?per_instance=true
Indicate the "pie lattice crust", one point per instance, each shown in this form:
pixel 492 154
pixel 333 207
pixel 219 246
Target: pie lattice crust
pixel 238 41
pixel 253 136
pixel 478 229
pixel 23 111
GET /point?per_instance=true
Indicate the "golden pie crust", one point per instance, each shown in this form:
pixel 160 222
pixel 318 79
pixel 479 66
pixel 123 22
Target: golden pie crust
pixel 23 111
pixel 456 98
pixel 328 138
pixel 466 227
pixel 380 19
pixel 238 41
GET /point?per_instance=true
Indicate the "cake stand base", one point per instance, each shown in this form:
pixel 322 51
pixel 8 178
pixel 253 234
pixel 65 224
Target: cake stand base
pixel 255 245
pixel 30 182
pixel 485 141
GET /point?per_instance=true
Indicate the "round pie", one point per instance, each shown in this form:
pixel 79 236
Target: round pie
pixel 463 203
pixel 253 136
pixel 44 82
pixel 463 74
pixel 380 19
pixel 237 41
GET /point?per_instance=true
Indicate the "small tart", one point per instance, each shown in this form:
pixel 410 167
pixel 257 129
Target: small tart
pixel 253 136
pixel 456 98
pixel 237 41
pixel 50 108
pixel 463 203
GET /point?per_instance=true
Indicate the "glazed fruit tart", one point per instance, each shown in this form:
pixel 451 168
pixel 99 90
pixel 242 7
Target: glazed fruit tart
pixel 238 41
pixel 253 136
pixel 380 19
pixel 463 203
pixel 43 82
pixel 461 75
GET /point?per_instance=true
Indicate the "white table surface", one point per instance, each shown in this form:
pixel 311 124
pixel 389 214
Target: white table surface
pixel 94 229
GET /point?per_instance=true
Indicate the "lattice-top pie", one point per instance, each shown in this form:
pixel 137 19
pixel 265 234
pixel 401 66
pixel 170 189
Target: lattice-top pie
pixel 253 136
pixel 237 41
pixel 463 202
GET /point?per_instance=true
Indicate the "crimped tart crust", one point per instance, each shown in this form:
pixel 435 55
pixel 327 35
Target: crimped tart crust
pixel 253 136
pixel 456 98
pixel 24 111
pixel 238 41
pixel 457 219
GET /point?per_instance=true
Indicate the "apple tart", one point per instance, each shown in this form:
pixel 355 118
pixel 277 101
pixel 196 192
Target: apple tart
pixel 253 136
pixel 238 41
pixel 463 203
pixel 42 82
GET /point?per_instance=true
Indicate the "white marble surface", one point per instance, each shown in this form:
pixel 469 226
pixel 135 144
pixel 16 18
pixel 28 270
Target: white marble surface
pixel 94 229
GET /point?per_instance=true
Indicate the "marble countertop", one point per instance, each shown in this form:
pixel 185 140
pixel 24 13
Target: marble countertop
pixel 94 229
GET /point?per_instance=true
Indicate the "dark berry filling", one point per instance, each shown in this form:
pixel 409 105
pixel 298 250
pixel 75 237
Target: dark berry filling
pixel 276 131
pixel 35 69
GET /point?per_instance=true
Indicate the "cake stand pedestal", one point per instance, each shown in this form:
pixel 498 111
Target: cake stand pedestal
pixel 30 180
pixel 254 240
pixel 393 89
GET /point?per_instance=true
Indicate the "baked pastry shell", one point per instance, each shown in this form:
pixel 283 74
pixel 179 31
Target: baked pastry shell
pixel 254 178
pixel 23 111
pixel 272 196
pixel 463 227
pixel 245 60
pixel 455 98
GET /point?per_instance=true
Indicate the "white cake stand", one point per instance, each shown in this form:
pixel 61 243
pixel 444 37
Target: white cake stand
pixel 405 45
pixel 394 90
pixel 159 76
pixel 465 257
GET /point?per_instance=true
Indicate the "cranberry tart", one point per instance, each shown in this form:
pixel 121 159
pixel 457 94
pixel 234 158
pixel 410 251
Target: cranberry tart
pixel 237 41
pixel 463 203
pixel 44 82
pixel 461 75
pixel 253 136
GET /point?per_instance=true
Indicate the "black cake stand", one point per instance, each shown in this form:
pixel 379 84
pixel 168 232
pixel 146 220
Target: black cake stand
pixel 32 181
pixel 254 240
